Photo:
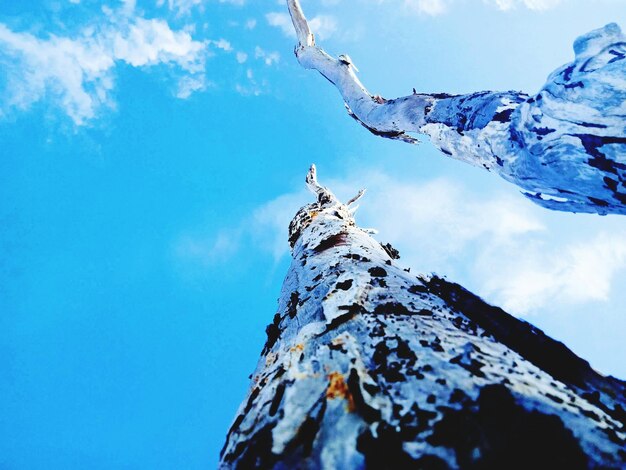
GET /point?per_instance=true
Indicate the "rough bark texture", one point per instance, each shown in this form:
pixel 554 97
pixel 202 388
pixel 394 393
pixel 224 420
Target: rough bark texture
pixel 565 146
pixel 368 366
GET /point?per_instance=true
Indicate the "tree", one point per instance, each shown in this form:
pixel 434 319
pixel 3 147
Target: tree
pixel 366 365
pixel 565 147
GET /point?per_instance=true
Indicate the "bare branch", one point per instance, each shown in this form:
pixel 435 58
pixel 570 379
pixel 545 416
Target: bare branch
pixel 324 195
pixel 565 144
pixel 356 198
pixel 303 32
pixel 381 117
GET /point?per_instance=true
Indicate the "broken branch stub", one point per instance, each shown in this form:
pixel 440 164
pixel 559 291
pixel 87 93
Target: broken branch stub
pixel 565 147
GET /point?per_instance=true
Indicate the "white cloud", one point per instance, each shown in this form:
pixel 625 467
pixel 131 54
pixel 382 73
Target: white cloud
pixel 77 73
pixel 222 44
pixel 252 86
pixel 575 272
pixel 281 21
pixel 429 7
pixel 207 250
pixel 499 245
pixel 272 220
pixel 323 26
pixel 269 58
pixel 537 5
pixel 189 85
pixel 242 57
pixel 503 241
pixel 184 7
pixel 439 7
pixel 436 216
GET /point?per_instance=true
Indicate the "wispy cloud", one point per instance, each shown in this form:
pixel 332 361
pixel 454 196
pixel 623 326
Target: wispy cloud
pixel 77 72
pixel 268 57
pixel 324 26
pixel 272 221
pixel 534 275
pixel 249 84
pixel 222 44
pixel 282 21
pixel 207 250
pixel 439 7
pixel 537 5
pixel 497 244
pixel 185 7
pixel 429 7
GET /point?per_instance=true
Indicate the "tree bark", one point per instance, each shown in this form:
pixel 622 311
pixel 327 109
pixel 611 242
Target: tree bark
pixel 565 147
pixel 369 366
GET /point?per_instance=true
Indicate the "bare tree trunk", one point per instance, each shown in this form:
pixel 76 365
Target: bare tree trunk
pixel 565 146
pixel 368 366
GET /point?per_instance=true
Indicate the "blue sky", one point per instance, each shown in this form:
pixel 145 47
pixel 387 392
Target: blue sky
pixel 152 155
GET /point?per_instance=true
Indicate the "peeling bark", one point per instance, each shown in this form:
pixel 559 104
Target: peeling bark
pixel 368 366
pixel 565 147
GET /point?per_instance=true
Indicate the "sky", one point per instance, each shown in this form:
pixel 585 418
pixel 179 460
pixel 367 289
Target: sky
pixel 152 154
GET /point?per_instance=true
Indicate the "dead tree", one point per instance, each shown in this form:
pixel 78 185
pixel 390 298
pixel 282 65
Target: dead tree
pixel 368 366
pixel 565 147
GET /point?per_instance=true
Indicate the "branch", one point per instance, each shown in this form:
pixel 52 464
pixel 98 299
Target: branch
pixel 381 117
pixel 567 142
pixel 303 32
pixel 324 195
pixel 356 198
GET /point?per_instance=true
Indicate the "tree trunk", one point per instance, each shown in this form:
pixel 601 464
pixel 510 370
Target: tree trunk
pixel 565 147
pixel 368 366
